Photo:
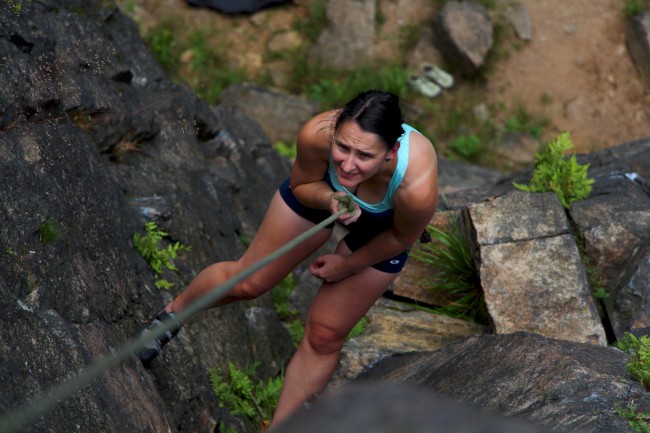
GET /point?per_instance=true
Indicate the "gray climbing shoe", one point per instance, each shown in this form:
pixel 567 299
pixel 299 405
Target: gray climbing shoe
pixel 153 349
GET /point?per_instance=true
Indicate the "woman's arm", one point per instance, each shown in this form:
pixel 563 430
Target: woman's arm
pixel 415 203
pixel 313 151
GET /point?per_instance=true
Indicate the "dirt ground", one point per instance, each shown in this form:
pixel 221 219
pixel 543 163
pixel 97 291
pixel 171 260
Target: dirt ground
pixel 575 72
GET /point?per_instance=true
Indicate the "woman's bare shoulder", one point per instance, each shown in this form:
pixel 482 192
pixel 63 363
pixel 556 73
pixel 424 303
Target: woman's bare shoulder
pixel 422 156
pixel 421 178
pixel 317 131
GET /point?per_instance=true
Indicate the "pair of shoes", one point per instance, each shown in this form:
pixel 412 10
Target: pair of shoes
pixel 424 86
pixel 437 75
pixel 153 348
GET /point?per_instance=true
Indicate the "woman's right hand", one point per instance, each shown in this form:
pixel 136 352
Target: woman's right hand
pixel 340 200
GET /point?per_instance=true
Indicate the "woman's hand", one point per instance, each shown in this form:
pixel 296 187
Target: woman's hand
pixel 330 268
pixel 341 200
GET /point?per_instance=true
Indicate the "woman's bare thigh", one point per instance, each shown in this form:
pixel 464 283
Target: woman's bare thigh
pixel 280 225
pixel 339 306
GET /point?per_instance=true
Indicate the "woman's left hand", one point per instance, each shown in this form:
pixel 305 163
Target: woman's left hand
pixel 341 200
pixel 330 268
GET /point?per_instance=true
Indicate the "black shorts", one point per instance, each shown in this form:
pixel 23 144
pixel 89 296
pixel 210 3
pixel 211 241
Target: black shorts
pixel 355 239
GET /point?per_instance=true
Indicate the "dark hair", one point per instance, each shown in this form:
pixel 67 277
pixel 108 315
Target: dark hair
pixel 376 112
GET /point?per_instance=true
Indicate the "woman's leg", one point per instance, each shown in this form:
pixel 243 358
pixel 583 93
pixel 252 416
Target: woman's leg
pixel 280 225
pixel 336 308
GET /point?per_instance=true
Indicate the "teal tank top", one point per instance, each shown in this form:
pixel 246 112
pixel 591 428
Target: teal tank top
pixel 396 179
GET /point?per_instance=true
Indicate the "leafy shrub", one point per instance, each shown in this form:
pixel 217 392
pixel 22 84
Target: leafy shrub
pixel 243 395
pixel 554 172
pixel 150 248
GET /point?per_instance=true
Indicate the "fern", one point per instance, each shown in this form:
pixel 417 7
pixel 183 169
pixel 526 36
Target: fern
pixel 554 172
pixel 639 350
pixel 237 392
pixel 149 247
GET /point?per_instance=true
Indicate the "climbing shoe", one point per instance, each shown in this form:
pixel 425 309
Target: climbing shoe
pixel 424 86
pixel 153 348
pixel 437 75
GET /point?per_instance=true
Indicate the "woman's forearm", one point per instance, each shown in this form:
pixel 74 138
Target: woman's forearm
pixel 382 247
pixel 317 195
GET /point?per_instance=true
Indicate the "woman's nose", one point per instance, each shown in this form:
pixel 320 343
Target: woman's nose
pixel 348 163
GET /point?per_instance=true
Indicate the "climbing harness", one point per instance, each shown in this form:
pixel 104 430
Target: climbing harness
pixel 16 420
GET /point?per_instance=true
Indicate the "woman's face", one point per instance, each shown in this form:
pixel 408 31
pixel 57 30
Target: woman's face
pixel 358 155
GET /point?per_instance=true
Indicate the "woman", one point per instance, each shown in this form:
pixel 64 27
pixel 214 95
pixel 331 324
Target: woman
pixel 363 150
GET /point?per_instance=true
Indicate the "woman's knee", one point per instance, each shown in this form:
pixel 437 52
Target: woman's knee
pixel 249 289
pixel 324 339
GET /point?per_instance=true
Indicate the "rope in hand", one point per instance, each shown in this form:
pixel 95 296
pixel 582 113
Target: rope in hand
pixel 14 421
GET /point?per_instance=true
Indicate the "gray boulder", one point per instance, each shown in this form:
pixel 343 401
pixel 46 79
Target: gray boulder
pixel 559 385
pixel 463 34
pixel 280 115
pixel 396 408
pixel 637 39
pixel 348 41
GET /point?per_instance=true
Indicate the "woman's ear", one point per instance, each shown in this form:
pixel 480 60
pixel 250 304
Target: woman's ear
pixel 392 153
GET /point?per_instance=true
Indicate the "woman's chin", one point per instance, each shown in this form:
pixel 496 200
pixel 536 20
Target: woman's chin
pixel 348 183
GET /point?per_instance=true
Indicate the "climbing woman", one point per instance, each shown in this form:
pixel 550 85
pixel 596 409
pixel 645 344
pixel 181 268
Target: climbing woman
pixel 384 172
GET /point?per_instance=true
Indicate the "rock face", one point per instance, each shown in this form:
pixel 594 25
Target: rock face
pixel 559 385
pixel 397 408
pixel 531 271
pixel 279 114
pixel 95 141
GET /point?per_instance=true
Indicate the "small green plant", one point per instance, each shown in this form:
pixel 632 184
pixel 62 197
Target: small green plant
pixel 638 421
pixel 467 147
pixel 555 172
pixel 280 294
pixel 638 366
pixel 49 231
pixel 162 43
pixel 286 150
pixel 210 76
pixel 450 254
pixel 244 395
pixel 523 121
pixel 316 20
pixel 635 7
pixel 289 316
pixel 639 350
pixel 17 5
pixel 359 328
pixel 296 330
pixel 335 90
pixel 150 248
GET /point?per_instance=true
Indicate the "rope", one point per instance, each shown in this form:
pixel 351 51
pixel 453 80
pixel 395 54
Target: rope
pixel 26 414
